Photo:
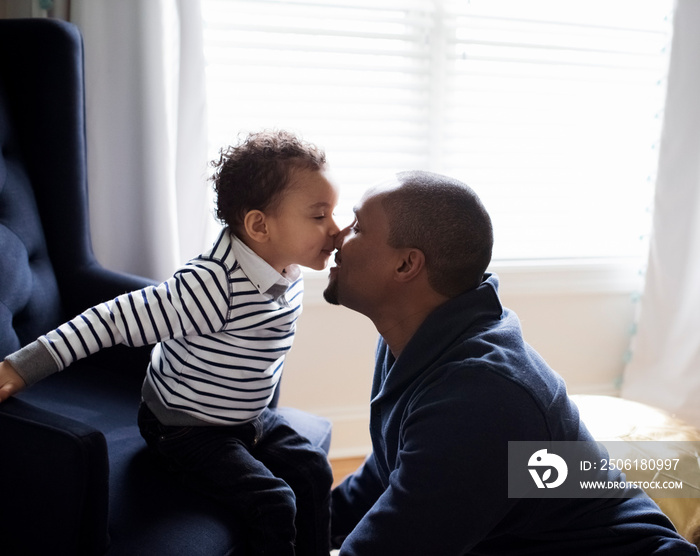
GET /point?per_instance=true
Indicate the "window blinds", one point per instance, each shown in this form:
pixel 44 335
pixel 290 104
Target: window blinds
pixel 550 109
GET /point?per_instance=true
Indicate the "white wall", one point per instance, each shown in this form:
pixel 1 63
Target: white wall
pixel 577 316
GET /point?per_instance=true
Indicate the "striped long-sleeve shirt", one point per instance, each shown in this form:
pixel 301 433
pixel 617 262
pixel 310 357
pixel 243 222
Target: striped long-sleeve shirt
pixel 221 329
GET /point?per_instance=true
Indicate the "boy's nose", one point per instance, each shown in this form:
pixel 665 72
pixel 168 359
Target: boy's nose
pixel 334 229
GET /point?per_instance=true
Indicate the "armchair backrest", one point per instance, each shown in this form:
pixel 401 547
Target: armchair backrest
pixel 44 228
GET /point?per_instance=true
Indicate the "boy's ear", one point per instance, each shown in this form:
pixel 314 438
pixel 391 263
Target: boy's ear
pixel 410 264
pixel 255 225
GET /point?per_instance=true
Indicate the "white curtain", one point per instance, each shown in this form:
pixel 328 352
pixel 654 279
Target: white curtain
pixel 146 130
pixel 665 365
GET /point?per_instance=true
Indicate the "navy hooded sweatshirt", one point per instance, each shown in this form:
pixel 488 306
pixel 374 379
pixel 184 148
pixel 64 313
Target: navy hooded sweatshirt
pixel 441 418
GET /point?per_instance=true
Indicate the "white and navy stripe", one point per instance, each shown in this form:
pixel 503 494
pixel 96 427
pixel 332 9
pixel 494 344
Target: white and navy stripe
pixel 220 342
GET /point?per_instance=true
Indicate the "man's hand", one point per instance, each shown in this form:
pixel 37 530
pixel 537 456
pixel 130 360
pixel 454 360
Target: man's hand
pixel 10 381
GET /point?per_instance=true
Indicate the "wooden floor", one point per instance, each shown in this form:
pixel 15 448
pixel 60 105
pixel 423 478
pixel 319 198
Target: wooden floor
pixel 344 467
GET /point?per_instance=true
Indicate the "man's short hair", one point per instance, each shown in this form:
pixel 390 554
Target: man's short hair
pixel 253 174
pixel 447 221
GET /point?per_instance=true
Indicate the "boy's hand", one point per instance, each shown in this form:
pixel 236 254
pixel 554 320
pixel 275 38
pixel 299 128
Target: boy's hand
pixel 10 381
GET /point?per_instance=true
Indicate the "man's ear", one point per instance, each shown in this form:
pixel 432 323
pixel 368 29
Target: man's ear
pixel 411 263
pixel 255 225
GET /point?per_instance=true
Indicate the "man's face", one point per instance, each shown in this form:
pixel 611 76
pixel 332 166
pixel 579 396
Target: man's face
pixel 364 261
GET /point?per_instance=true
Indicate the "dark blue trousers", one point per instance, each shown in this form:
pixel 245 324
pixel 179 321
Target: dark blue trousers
pixel 270 477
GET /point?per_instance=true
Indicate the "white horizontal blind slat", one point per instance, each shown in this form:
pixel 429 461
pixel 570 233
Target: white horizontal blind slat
pixel 548 109
pixel 349 76
pixel 555 116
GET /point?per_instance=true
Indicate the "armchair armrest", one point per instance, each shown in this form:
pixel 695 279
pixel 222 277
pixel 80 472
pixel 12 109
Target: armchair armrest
pixel 55 488
pixel 92 284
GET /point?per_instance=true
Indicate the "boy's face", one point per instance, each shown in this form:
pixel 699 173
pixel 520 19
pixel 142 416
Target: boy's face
pixel 302 229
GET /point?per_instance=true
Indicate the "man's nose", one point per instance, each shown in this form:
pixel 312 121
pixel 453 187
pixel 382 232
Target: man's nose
pixel 340 238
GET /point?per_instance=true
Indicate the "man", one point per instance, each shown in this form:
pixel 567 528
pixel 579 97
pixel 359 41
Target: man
pixel 454 383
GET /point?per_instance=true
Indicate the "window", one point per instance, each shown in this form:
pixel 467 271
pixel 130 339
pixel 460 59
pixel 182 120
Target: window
pixel 549 109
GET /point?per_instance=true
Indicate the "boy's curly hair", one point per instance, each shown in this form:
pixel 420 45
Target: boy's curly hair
pixel 253 174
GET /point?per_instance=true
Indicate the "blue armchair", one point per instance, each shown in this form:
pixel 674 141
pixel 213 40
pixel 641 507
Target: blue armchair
pixel 75 476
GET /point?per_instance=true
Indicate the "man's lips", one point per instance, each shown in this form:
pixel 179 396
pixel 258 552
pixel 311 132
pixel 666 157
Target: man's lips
pixel 329 253
pixel 334 269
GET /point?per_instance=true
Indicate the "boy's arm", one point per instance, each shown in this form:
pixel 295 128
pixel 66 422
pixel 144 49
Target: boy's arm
pixel 193 302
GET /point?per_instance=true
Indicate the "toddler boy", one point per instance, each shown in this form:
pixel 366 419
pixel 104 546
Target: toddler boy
pixel 222 325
